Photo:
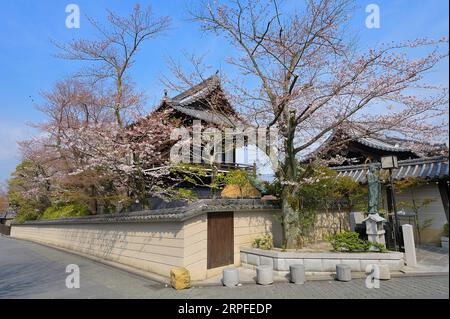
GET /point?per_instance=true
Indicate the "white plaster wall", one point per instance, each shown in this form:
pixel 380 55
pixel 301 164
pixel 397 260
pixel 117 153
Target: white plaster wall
pixel 195 245
pixel 249 225
pixel 434 210
pixel 153 247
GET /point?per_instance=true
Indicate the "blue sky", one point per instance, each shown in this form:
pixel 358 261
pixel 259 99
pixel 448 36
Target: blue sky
pixel 28 64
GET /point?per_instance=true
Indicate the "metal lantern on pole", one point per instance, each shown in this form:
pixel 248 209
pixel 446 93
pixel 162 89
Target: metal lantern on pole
pixel 389 163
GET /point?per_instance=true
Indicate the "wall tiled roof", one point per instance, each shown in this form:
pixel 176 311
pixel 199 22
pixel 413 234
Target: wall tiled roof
pixel 168 214
pixel 8 215
pixel 430 168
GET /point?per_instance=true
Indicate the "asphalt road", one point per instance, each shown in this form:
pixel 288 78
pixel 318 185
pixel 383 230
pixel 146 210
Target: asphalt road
pixel 29 270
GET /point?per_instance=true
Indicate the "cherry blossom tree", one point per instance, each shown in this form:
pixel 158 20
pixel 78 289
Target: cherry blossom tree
pixel 86 152
pixel 82 155
pixel 301 72
pixel 135 157
pixel 3 198
pixel 29 190
pixel 113 54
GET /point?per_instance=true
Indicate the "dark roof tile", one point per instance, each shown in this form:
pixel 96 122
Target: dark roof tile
pixel 168 214
pixel 431 168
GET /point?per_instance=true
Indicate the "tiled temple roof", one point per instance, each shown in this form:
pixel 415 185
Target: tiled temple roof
pixel 198 91
pixel 354 133
pixel 430 168
pixel 190 103
pixel 381 145
pixel 168 214
pixel 205 115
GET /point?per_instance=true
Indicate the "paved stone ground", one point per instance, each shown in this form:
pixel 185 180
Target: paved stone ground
pixel 430 259
pixel 432 256
pixel 29 270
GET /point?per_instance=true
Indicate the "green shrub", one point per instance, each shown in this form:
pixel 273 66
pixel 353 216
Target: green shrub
pixel 237 177
pixel 65 210
pixel 446 230
pixel 349 241
pixel 264 242
pixel 24 215
pixel 184 193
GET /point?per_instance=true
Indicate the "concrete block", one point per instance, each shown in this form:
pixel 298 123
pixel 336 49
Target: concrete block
pixel 264 275
pixel 294 261
pixel 268 261
pixel 253 259
pixel 366 262
pixel 243 258
pixel 380 271
pixel 343 272
pixel 230 277
pixel 385 273
pixel 393 264
pixel 280 264
pixel 313 264
pixel 354 264
pixel 297 274
pixel 330 264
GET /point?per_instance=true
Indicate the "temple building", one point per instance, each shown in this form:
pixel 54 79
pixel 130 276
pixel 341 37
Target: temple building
pixel 422 179
pixel 349 148
pixel 207 104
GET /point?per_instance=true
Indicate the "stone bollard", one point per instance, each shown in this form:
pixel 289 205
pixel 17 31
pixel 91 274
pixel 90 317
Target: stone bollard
pixel 410 247
pixel 230 277
pixel 297 274
pixel 444 242
pixel 264 275
pixel 343 272
pixel 385 273
pixel 380 271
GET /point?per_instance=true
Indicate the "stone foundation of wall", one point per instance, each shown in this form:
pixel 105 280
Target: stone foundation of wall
pixel 320 261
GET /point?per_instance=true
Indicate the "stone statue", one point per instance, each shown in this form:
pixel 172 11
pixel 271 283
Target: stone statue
pixel 374 222
pixel 374 189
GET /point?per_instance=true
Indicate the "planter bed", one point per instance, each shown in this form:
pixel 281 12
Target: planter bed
pixel 325 261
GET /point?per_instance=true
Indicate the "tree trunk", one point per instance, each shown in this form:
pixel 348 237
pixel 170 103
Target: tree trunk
pixel 118 102
pixel 93 201
pixel 288 212
pixel 290 170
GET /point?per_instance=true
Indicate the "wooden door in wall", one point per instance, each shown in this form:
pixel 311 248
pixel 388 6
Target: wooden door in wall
pixel 220 244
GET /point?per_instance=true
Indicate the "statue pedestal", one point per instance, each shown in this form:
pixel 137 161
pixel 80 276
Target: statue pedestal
pixel 374 228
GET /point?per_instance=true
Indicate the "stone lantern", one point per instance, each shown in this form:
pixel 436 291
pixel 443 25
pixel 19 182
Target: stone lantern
pixel 375 228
